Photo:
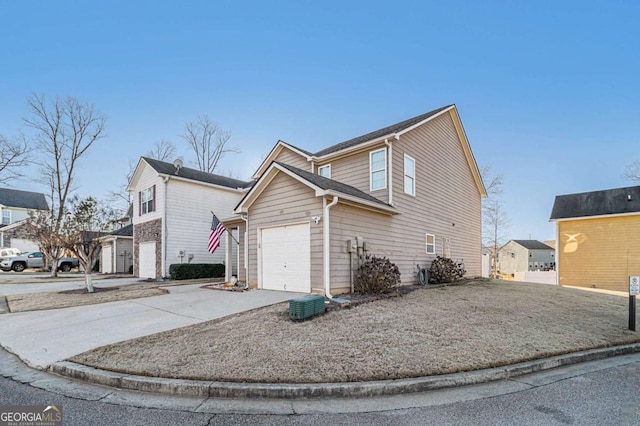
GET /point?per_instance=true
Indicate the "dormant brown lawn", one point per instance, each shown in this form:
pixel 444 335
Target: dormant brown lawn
pixel 476 325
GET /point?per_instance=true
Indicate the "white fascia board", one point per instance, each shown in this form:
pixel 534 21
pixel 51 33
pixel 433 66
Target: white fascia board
pixel 274 153
pixel 256 189
pixel 136 175
pixel 601 216
pixel 199 182
pixel 408 129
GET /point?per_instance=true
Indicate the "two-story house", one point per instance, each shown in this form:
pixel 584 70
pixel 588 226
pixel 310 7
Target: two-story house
pixel 15 206
pixel 409 191
pixel 525 255
pixel 598 238
pixel 172 215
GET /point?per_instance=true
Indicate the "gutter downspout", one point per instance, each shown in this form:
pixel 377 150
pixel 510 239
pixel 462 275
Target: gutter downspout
pixel 387 143
pixel 246 249
pixel 164 229
pixel 325 245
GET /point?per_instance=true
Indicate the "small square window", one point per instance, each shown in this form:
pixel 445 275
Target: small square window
pixel 325 171
pixel 430 244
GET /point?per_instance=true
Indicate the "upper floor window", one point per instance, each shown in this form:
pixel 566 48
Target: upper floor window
pixel 6 217
pixel 378 169
pixel 325 171
pixel 409 175
pixel 430 244
pixel 147 197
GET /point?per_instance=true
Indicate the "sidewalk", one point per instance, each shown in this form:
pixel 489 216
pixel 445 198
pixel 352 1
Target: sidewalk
pixel 41 338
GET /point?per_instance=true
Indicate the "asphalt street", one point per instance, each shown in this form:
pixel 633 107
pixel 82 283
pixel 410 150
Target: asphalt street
pixel 597 393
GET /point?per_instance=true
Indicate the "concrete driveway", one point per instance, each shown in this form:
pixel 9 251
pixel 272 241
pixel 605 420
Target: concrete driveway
pixel 41 338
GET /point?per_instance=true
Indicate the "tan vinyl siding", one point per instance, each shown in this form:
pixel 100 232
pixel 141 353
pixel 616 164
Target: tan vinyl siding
pixel 447 201
pixel 294 159
pixel 599 253
pixel 354 170
pixel 286 201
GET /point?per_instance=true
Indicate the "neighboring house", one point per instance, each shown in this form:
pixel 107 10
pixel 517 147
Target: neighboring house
pixel 598 235
pixel 525 255
pixel 117 251
pixel 410 192
pixel 14 210
pixel 172 215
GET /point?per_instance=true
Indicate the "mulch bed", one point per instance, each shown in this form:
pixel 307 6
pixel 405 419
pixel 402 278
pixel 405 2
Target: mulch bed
pixel 239 288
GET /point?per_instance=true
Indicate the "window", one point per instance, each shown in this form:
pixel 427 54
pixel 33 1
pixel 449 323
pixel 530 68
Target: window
pixel 409 175
pixel 325 171
pixel 430 244
pixel 378 169
pixel 147 197
pixel 6 217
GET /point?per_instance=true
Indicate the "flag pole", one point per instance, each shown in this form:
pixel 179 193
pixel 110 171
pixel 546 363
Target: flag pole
pixel 230 233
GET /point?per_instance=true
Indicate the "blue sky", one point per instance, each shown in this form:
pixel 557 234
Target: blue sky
pixel 548 91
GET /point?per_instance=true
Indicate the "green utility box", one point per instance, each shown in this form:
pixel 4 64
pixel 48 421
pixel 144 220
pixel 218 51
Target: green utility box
pixel 306 306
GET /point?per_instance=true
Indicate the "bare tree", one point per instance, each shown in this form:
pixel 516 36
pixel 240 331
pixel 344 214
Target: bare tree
pixel 208 142
pixel 85 222
pixel 632 172
pixel 494 218
pixel 64 129
pixel 13 158
pixel 163 150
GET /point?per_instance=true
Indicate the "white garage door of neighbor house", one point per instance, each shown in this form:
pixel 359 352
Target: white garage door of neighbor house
pixel 147 260
pixel 286 258
pixel 107 253
pixel 24 245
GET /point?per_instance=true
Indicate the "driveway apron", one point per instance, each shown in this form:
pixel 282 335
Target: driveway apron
pixel 41 338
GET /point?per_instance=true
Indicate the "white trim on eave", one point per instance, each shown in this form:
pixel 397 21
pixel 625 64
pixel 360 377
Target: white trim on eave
pixel 199 182
pixel 600 216
pixel 275 151
pixel 410 128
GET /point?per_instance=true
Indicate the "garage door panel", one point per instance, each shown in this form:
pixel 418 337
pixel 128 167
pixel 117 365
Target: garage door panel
pixel 147 260
pixel 286 258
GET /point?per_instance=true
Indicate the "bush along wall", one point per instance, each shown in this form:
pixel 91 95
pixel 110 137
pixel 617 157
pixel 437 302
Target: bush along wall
pixel 187 271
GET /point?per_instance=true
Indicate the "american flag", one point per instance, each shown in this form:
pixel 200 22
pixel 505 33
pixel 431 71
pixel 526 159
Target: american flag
pixel 217 229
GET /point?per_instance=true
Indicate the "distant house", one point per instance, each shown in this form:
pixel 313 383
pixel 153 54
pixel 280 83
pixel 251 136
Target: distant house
pixel 117 251
pixel 525 255
pixel 598 235
pixel 15 206
pixel 172 215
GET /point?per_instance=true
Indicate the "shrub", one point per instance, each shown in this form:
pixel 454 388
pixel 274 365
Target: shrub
pixel 131 269
pixel 376 275
pixel 186 271
pixel 445 270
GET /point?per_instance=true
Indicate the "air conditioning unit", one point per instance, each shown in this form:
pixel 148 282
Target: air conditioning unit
pixel 306 307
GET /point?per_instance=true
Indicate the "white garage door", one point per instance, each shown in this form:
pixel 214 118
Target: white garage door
pixel 107 267
pixel 147 260
pixel 286 258
pixel 24 245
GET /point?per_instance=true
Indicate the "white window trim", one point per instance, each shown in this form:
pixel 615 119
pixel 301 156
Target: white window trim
pixel 326 166
pixel 427 244
pixel 2 218
pixel 371 171
pixel 144 205
pixel 406 175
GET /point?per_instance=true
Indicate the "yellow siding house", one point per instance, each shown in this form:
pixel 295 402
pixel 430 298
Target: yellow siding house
pixel 598 238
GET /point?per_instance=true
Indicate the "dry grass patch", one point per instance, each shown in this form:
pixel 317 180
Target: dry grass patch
pixel 64 299
pixel 478 325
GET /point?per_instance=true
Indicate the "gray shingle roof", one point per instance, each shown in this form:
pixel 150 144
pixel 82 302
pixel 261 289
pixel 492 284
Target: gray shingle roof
pixel 330 184
pixel 193 174
pixel 533 245
pixel 394 128
pixel 125 231
pixel 23 199
pixel 597 203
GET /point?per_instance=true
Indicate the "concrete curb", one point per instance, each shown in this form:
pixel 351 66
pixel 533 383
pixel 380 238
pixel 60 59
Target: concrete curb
pixel 306 391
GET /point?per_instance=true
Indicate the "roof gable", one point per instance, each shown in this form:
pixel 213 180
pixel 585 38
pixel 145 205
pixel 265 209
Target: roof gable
pixel 321 185
pixel 186 173
pixel 597 203
pixel 23 199
pixel 275 151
